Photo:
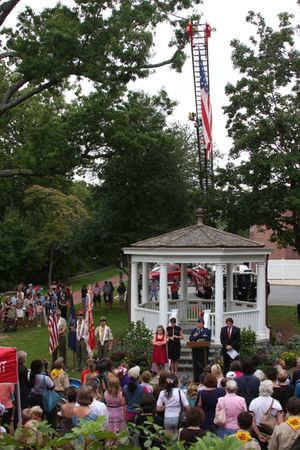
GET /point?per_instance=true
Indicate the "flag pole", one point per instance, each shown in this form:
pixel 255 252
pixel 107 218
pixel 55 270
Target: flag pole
pixel 19 405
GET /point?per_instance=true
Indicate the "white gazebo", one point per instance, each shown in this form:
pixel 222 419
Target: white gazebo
pixel 198 244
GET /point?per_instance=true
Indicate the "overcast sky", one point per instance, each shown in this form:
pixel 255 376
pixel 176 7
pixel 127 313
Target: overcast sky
pixel 228 18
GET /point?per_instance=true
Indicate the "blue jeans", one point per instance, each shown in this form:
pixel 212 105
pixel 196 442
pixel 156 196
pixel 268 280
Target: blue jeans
pixel 222 432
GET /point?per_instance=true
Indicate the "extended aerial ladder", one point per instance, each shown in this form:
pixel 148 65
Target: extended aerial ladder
pixel 198 35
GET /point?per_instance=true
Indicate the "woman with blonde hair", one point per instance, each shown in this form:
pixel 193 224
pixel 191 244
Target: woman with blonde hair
pixel 217 372
pixel 115 403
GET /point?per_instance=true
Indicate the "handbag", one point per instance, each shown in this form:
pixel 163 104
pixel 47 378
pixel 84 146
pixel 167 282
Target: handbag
pixel 182 414
pixel 50 398
pixel 220 417
pixel 268 422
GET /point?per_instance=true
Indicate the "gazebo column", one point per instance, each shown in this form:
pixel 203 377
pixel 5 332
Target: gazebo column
pixel 134 290
pixel 145 281
pixel 163 295
pixel 229 286
pixel 183 291
pixel 261 296
pixel 219 302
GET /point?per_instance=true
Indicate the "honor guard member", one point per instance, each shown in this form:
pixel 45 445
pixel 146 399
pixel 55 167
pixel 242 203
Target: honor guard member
pixel 200 333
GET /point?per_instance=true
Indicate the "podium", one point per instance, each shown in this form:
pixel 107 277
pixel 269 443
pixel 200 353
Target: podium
pixel 200 357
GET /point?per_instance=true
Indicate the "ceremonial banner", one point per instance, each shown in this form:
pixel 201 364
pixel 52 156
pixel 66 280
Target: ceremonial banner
pixel 8 365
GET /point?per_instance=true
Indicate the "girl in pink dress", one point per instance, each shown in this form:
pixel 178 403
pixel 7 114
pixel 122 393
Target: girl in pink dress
pixel 115 403
pixel 159 356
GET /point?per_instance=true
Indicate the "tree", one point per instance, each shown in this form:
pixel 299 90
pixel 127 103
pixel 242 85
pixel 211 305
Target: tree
pixel 54 217
pixel 108 43
pixel 145 188
pixel 264 123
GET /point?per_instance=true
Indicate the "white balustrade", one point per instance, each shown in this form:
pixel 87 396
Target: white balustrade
pixel 150 316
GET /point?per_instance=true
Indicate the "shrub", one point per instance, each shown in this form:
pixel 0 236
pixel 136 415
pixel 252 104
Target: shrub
pixel 293 343
pixel 138 344
pixel 247 342
pixel 289 358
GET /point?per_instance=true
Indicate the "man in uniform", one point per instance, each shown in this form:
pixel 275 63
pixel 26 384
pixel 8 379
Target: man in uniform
pixel 200 333
pixel 81 338
pixel 62 330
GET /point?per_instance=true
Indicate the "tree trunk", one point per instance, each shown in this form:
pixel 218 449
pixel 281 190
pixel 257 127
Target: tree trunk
pixel 51 264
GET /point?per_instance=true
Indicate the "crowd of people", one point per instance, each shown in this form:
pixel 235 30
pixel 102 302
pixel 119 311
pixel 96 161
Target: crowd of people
pixel 30 306
pixel 232 405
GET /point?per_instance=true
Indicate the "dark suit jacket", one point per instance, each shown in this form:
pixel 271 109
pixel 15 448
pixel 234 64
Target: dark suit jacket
pixel 203 334
pixel 234 339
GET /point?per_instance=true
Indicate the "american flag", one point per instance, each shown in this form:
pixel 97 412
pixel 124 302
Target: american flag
pixel 206 112
pixel 53 332
pixel 91 341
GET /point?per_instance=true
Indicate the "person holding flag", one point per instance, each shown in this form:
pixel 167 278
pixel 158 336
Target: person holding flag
pixel 91 342
pixel 81 341
pixel 61 348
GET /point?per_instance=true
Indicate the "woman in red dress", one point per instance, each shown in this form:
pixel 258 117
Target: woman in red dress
pixel 159 356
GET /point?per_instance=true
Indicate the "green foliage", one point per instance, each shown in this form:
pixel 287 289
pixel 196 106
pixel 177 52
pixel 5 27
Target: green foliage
pixel 289 358
pixel 247 342
pixel 261 183
pixel 138 344
pixel 293 343
pixel 89 435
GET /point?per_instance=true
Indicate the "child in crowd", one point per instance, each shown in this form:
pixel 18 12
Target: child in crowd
pixel 36 415
pixel 191 394
pixel 30 312
pixel 146 377
pixel 39 313
pixel 184 383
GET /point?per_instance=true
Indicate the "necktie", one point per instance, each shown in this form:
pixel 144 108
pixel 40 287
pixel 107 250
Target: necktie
pixel 229 332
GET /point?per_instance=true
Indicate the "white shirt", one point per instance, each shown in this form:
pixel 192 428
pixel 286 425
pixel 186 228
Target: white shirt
pixel 260 405
pixel 172 404
pixel 100 409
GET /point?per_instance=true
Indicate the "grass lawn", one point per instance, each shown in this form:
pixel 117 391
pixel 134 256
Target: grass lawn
pixel 284 319
pixel 35 340
pixel 102 275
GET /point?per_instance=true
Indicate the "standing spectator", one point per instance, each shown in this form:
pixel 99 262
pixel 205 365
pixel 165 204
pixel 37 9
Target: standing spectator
pixel 260 405
pixel 207 399
pixel 170 401
pixel 174 290
pixel 248 384
pixel 30 312
pixel 84 292
pixel 217 372
pixel 63 305
pixel 146 377
pixel 193 429
pixel 133 393
pixel 83 410
pixel 106 290
pixel 121 292
pixel 6 395
pixel 153 289
pixel 38 382
pixel 296 373
pixel 115 403
pixel 230 339
pixel 81 338
pixel 60 378
pixel 282 389
pixel 66 410
pixel 62 331
pixel 285 434
pixel 97 295
pixel 243 434
pixel 97 406
pixel 89 372
pixel 39 310
pixel 233 405
pixel 23 383
pixel 159 341
pixel 174 335
pixel 111 295
pixel 104 339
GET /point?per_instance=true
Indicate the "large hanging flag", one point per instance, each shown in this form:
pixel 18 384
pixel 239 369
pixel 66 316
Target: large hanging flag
pixel 91 341
pixel 72 325
pixel 205 112
pixel 53 332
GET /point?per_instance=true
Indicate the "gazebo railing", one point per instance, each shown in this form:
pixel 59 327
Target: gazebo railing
pixel 242 319
pixel 150 316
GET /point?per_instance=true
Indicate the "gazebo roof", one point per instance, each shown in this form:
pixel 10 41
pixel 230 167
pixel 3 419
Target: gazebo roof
pixel 198 236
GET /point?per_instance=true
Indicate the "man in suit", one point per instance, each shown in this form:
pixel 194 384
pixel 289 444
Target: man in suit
pixel 200 333
pixel 230 339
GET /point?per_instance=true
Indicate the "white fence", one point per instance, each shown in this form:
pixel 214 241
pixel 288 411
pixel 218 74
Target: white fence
pixel 284 269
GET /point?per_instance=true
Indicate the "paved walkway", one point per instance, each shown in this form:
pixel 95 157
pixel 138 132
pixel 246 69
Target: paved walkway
pixel 115 281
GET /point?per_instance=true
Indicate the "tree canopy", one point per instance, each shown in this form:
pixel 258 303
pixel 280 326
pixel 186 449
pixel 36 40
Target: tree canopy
pixel 261 184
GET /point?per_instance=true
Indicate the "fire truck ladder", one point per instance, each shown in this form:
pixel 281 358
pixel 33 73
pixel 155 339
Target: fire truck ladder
pixel 199 50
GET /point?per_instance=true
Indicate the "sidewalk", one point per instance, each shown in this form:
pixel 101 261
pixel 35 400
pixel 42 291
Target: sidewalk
pixel 115 281
pixel 285 282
